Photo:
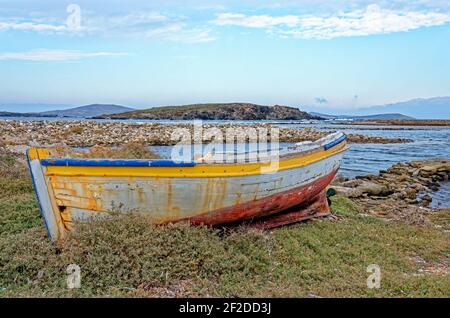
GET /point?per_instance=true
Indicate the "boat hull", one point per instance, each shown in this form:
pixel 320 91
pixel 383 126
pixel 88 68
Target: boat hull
pixel 269 206
pixel 210 194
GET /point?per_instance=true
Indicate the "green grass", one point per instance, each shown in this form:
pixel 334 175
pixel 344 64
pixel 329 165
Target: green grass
pixel 18 206
pixel 129 257
pixel 18 213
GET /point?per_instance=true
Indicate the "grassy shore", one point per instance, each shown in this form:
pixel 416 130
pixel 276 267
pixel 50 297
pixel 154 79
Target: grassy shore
pixel 128 257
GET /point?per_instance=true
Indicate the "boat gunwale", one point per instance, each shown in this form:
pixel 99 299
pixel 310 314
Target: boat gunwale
pixel 198 171
pixel 81 162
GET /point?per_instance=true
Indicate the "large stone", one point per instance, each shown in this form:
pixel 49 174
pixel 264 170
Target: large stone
pixel 411 193
pixel 373 189
pixel 348 192
pixel 352 183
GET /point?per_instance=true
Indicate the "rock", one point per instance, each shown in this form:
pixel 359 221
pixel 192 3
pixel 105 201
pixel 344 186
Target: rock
pixel 429 169
pixel 434 186
pixel 351 183
pixel 402 178
pixel 417 186
pixel 348 192
pixel 373 189
pixel 411 194
pixel 339 179
pixel 400 193
pixel 427 197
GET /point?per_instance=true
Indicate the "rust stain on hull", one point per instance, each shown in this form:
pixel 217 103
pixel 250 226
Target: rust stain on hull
pixel 272 205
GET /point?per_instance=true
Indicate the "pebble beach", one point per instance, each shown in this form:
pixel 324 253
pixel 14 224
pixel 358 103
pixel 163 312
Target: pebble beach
pixel 91 133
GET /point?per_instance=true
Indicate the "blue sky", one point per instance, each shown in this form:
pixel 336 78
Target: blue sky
pixel 310 54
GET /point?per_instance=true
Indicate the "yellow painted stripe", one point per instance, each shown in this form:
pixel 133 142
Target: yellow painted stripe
pixel 38 153
pixel 199 171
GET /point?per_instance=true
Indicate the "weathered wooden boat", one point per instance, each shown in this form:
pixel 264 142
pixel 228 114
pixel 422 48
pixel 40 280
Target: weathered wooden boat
pixel 212 193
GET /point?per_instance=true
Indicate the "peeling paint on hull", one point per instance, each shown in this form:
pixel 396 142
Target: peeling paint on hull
pixel 268 206
pixel 202 194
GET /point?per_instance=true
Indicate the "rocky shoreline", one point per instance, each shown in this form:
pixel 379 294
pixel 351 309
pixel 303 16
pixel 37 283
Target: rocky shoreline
pixel 91 133
pixel 401 192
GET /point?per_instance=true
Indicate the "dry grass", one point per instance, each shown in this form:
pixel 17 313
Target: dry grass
pixel 131 150
pixel 441 219
pixel 12 165
pixel 18 207
pixel 77 130
pixel 127 256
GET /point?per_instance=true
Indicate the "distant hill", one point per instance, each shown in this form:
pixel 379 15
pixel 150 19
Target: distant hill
pixel 11 114
pixel 393 116
pixel 217 111
pixel 421 108
pixel 88 111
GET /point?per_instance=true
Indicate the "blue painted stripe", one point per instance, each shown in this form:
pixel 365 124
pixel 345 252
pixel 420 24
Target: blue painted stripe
pixel 37 194
pixel 335 142
pixel 115 163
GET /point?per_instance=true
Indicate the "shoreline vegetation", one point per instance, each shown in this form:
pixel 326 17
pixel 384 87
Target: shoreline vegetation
pixel 126 256
pixel 92 133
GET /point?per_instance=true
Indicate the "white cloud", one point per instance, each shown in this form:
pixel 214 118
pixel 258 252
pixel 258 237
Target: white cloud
pixel 194 35
pixel 54 55
pixel 162 31
pixel 256 21
pixel 143 25
pixel 150 25
pixel 123 22
pixel 91 23
pixel 31 26
pixel 174 32
pixel 371 20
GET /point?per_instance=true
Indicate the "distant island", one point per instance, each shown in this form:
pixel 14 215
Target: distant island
pixel 421 108
pixel 216 111
pixel 394 116
pixel 88 111
pixel 401 122
pixel 12 114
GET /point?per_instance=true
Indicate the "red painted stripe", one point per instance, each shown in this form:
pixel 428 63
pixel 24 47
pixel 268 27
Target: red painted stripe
pixel 267 206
